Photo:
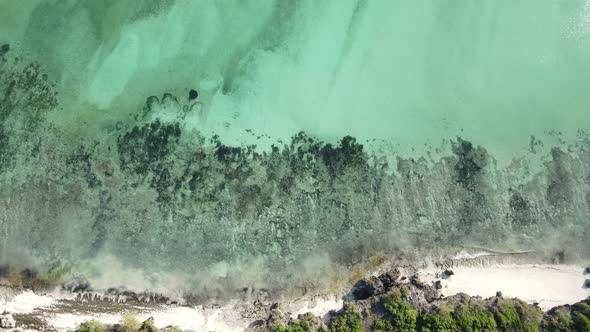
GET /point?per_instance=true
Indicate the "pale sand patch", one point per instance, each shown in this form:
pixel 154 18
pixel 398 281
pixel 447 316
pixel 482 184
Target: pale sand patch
pixel 193 318
pixel 319 307
pixel 70 321
pixel 186 318
pixel 548 285
pixel 24 303
pixel 196 319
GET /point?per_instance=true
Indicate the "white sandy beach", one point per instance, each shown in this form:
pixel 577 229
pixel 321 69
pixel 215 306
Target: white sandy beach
pixel 548 285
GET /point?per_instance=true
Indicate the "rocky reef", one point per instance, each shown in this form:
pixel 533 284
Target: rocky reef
pixel 147 191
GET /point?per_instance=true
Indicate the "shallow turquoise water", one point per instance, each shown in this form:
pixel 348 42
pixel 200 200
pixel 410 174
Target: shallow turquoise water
pixel 412 72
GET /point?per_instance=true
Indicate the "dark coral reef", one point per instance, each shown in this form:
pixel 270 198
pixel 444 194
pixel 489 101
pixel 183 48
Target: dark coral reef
pixel 161 197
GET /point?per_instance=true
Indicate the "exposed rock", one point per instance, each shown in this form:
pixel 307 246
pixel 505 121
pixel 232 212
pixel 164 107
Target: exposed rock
pixel 7 321
pixel 77 286
pixel 390 278
pixel 430 294
pixel 587 270
pixel 372 286
pixel 276 315
pixel 415 280
pixel 311 320
pixel 367 287
pixel 587 283
pixel 437 284
pixel 457 299
pixel 447 274
pixel 257 324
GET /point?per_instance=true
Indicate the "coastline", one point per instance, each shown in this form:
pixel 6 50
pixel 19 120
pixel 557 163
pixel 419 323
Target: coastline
pixel 542 286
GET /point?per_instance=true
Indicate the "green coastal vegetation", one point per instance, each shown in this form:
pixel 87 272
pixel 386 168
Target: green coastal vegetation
pixel 508 315
pixel 128 323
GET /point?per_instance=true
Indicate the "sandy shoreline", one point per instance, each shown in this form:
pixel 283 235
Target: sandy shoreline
pixel 547 285
pixel 61 313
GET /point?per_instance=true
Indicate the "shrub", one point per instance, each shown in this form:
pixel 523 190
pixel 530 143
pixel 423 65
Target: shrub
pixel 129 323
pixel 514 315
pixel 507 319
pixel 91 326
pixel 148 326
pixel 404 291
pixel 403 314
pixel 277 327
pixel 439 320
pixel 382 326
pixel 583 308
pixel 580 322
pixel 557 320
pixel 294 325
pixel 305 323
pixel 348 321
pixel 530 316
pixel 580 313
pixel 473 318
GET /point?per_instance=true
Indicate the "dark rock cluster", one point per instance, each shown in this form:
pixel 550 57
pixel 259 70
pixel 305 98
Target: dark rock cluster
pixel 373 286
